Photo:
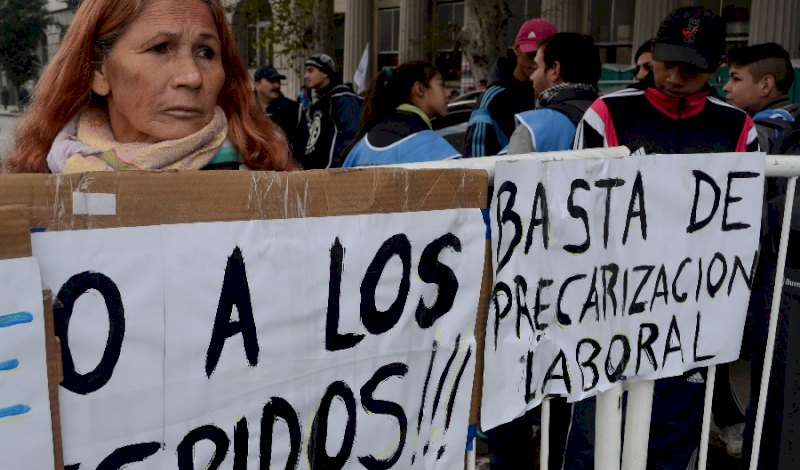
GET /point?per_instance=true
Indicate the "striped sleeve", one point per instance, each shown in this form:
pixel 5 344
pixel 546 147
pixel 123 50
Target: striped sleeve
pixel 748 139
pixel 596 129
pixel 480 133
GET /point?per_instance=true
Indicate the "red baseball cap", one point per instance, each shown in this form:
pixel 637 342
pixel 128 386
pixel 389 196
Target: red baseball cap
pixel 533 31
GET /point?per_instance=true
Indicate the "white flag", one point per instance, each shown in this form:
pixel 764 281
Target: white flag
pixel 360 77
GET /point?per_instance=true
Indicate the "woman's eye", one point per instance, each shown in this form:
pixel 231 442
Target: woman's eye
pixel 159 48
pixel 206 52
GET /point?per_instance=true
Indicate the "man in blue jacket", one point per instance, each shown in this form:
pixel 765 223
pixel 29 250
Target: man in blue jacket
pixel 565 74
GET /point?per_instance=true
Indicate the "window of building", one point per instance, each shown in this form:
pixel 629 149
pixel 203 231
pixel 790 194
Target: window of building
pixel 388 37
pixel 611 26
pixel 450 20
pixel 258 52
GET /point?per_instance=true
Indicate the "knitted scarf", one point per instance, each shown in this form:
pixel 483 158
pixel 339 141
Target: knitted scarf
pixel 87 143
pixel 547 96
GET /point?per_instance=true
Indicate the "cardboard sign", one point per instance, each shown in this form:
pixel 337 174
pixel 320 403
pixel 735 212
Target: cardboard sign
pixel 334 340
pixel 26 439
pixel 620 269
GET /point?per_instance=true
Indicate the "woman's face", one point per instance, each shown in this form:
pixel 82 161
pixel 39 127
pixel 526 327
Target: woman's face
pixel 164 74
pixel 434 99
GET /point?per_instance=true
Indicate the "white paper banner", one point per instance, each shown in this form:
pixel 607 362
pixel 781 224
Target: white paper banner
pixel 26 436
pixel 347 341
pixel 616 269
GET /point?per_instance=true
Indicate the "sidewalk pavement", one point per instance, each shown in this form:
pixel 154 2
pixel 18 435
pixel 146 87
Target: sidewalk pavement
pixel 12 110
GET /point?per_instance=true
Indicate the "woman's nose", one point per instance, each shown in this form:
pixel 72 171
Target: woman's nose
pixel 186 72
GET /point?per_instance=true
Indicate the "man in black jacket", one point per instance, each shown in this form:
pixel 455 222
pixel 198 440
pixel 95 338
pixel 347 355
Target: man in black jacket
pixel 333 116
pixel 283 111
pixel 672 111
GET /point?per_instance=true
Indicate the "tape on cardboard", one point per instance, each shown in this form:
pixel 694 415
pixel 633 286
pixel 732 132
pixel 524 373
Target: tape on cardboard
pixel 94 203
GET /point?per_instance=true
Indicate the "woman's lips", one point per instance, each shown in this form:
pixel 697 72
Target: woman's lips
pixel 183 112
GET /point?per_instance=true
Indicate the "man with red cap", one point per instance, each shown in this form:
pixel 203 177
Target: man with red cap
pixel 510 92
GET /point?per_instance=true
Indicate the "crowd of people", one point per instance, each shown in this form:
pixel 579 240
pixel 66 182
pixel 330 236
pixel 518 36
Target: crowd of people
pixel 161 86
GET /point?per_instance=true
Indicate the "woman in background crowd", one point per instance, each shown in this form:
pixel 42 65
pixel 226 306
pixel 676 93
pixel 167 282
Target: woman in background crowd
pixel 643 60
pixel 146 85
pixel 396 118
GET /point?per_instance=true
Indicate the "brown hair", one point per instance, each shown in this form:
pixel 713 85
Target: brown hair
pixel 64 90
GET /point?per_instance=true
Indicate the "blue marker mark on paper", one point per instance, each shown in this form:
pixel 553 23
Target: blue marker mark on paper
pixel 9 365
pixel 12 411
pixel 15 319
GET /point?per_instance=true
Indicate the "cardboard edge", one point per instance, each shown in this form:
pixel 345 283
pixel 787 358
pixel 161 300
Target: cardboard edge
pixel 54 376
pixel 481 320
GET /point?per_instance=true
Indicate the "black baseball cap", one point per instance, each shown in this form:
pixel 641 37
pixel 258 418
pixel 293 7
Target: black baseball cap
pixel 270 73
pixel 691 35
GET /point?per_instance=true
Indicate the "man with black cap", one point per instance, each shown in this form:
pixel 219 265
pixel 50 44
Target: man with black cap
pixel 333 116
pixel 672 111
pixel 283 111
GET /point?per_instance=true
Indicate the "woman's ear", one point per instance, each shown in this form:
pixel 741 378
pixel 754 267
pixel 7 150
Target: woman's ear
pixel 418 90
pixel 100 83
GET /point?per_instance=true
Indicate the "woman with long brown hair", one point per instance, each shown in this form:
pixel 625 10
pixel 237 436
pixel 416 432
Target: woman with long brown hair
pixel 146 84
pixel 396 118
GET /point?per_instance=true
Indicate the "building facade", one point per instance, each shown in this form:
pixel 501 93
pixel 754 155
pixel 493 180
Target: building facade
pixel 401 30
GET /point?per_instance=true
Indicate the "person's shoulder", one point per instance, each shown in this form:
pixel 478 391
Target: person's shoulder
pixel 624 94
pixel 496 97
pixel 543 115
pixel 725 108
pixel 282 104
pixel 412 123
pixel 547 123
pixel 342 91
pixel 286 101
pixel 793 109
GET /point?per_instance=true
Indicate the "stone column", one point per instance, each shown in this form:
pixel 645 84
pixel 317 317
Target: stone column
pixel 647 17
pixel 322 26
pixel 776 21
pixel 413 19
pixel 357 33
pixel 563 14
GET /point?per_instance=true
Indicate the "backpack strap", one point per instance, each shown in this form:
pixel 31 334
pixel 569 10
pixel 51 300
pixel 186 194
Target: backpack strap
pixel 778 125
pixel 573 109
